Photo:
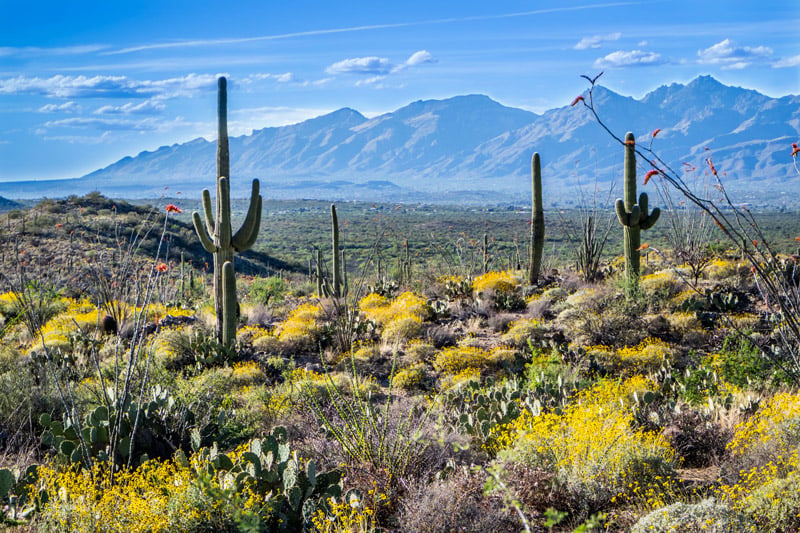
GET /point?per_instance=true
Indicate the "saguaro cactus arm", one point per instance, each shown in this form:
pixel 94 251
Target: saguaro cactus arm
pixel 202 232
pixel 247 234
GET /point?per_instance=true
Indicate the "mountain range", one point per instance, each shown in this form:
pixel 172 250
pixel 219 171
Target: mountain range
pixel 472 148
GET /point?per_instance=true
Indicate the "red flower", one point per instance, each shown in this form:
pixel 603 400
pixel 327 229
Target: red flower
pixel 795 150
pixel 172 208
pixel 711 166
pixel 753 269
pixel 650 174
pixel 578 99
pixel 645 246
pixel 631 142
pixel 655 132
pixel 755 243
pixel 59 225
pixel 162 267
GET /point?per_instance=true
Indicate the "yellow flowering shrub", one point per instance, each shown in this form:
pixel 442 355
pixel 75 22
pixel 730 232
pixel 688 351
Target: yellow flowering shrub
pixel 350 516
pixel 247 373
pixel 646 357
pixel 504 281
pixel 411 378
pixel 302 324
pixel 454 359
pixel 522 330
pixel 664 283
pixel 400 318
pixel 381 310
pixel 768 427
pixel 722 268
pixel 155 497
pixel 418 351
pixel 461 378
pixel 591 446
pixel 401 328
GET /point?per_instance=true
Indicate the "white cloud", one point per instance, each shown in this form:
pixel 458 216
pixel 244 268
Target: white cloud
pixel 596 40
pixel 61 86
pixel 66 107
pixel 793 61
pixel 419 57
pixel 280 78
pixel 147 107
pixel 361 65
pixel 632 58
pixel 730 56
pixel 29 51
pixel 107 124
pixel 378 67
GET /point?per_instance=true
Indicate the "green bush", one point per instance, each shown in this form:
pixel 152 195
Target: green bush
pixel 268 290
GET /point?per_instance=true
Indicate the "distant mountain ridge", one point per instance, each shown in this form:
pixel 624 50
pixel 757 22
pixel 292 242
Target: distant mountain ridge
pixel 472 144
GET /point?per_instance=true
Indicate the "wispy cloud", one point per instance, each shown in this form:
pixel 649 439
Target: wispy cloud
pixel 361 65
pixel 148 107
pixel 280 78
pixel 105 124
pixel 79 139
pixel 632 58
pixel 61 86
pixel 66 107
pixel 377 68
pixel 730 56
pixel 792 61
pixel 596 40
pixel 351 29
pixel 30 51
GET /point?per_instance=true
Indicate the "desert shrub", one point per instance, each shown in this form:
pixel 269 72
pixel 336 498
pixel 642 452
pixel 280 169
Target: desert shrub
pixel 402 328
pixel 157 496
pixel 414 377
pixel 596 316
pixel 770 435
pixel 648 356
pixel 708 515
pixel 211 491
pixel 523 331
pixel 775 505
pixel 302 328
pixel 457 358
pixel 742 363
pixel 697 440
pixel 592 447
pixel 499 289
pixel 419 352
pixel 457 503
pixel 268 290
pixel 660 286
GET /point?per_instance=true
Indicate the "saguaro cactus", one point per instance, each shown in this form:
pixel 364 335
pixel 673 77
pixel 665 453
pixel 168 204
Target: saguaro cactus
pixel 336 286
pixel 537 220
pixel 216 234
pixel 632 215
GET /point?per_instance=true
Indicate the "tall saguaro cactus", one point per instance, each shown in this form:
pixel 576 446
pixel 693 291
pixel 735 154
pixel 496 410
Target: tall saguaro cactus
pixel 216 234
pixel 632 215
pixel 537 220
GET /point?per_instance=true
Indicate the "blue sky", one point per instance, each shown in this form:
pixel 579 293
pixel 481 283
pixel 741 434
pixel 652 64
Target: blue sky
pixel 83 84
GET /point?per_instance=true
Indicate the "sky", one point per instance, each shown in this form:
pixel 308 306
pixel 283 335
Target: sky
pixel 83 84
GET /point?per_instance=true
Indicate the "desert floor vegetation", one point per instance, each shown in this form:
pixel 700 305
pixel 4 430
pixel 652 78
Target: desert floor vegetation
pixel 440 392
